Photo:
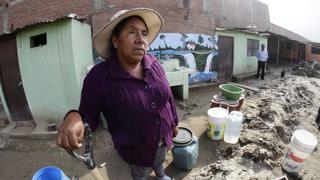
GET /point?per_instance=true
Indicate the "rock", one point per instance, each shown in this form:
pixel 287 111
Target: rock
pixel 262 154
pixel 183 105
pixel 228 152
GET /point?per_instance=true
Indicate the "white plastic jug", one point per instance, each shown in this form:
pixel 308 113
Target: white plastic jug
pixel 233 127
pixel 301 146
pixel 216 120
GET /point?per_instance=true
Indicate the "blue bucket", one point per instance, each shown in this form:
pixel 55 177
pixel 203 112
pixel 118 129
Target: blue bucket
pixel 50 173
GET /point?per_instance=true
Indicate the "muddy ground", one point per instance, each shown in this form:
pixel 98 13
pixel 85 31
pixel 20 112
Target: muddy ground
pixel 281 106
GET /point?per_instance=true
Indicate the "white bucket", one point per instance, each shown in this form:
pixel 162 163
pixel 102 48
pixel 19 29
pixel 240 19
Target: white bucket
pixel 216 122
pixel 301 146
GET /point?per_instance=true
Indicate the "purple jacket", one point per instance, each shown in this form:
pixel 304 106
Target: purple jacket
pixel 138 111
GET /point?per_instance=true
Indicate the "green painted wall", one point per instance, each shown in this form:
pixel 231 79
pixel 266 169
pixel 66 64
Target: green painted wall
pixel 52 74
pixel 243 64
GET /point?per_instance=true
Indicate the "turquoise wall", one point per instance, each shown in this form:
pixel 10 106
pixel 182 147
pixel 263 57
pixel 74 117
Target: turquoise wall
pixel 243 64
pixel 52 74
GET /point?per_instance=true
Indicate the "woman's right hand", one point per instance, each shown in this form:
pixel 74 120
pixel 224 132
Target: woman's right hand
pixel 71 132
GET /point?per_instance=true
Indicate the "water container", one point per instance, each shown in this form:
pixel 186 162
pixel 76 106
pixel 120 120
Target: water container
pixel 50 173
pixel 233 127
pixel 216 122
pixel 185 157
pixel 301 146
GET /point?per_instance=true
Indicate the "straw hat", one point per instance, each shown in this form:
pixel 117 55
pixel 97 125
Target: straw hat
pixel 152 18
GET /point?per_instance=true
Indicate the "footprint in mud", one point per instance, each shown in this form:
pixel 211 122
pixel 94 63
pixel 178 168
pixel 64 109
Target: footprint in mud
pixel 304 93
pixel 283 132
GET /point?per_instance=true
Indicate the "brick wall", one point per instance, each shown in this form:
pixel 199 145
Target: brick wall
pixel 309 55
pixel 25 12
pixel 2 3
pixel 172 12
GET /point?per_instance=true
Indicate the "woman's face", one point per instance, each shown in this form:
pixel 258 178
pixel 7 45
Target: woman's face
pixel 131 44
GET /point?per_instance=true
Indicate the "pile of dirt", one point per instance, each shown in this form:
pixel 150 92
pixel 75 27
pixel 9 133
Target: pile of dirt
pixel 270 118
pixel 308 69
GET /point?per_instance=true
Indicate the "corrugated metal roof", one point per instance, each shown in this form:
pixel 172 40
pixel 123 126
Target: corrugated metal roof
pixel 18 29
pixel 275 29
pixel 243 30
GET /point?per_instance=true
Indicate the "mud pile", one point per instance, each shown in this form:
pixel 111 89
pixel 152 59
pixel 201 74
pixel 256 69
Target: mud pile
pixel 270 118
pixel 308 69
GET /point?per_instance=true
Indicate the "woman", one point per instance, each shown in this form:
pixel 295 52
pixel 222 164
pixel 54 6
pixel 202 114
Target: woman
pixel 131 90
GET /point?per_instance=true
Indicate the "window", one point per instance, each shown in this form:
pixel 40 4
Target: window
pixel 289 46
pixel 38 40
pixel 252 47
pixel 315 50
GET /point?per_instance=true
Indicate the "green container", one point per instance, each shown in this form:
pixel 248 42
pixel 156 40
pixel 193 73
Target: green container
pixel 230 91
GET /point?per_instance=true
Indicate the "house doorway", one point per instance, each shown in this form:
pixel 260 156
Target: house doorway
pixel 225 58
pixel 11 80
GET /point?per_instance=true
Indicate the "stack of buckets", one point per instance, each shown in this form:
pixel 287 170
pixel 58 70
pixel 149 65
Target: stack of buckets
pixel 221 123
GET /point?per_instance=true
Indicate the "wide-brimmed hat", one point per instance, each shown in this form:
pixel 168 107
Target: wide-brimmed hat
pixel 102 40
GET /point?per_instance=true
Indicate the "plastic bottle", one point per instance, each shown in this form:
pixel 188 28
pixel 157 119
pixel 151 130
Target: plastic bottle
pixel 233 127
pixel 301 146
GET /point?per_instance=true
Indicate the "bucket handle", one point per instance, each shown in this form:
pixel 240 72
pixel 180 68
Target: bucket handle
pixel 87 157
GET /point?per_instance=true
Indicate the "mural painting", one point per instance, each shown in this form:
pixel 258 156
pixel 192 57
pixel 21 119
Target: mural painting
pixel 197 52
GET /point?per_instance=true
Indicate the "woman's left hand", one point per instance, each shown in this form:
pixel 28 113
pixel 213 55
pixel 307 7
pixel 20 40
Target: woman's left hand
pixel 175 131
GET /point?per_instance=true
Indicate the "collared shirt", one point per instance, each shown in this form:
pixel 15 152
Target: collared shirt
pixel 138 111
pixel 262 55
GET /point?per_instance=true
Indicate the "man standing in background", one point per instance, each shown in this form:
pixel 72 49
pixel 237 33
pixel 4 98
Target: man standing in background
pixel 262 56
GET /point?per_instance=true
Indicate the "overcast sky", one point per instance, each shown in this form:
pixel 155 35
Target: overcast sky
pixel 299 16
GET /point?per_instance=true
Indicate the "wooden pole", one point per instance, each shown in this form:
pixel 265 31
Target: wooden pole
pixel 278 51
pixel 291 51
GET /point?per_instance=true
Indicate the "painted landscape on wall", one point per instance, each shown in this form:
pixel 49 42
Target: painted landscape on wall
pixel 197 52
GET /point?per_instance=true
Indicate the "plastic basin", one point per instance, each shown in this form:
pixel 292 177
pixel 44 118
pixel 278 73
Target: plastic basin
pixel 230 91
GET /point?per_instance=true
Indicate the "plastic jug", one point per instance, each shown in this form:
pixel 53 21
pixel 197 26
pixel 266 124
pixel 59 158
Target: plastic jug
pixel 301 146
pixel 233 127
pixel 185 157
pixel 216 120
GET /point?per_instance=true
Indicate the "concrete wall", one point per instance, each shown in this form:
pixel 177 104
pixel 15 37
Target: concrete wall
pixel 52 73
pixel 238 13
pixel 243 64
pixel 81 48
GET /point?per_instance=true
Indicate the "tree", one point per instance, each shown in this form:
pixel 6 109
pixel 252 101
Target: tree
pixel 200 39
pixel 163 37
